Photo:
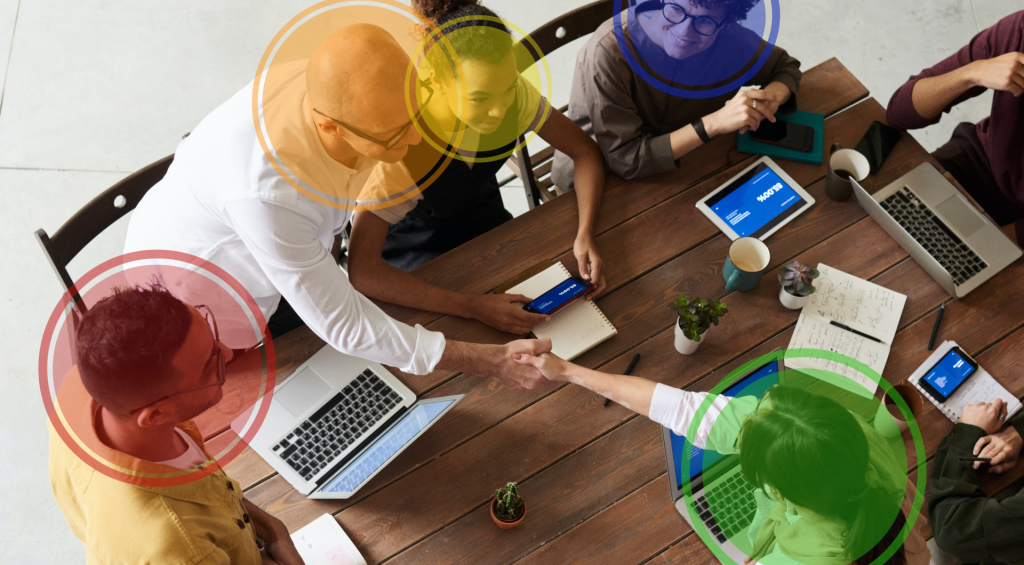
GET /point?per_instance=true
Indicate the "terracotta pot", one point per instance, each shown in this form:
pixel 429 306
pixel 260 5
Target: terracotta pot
pixel 503 524
pixel 685 345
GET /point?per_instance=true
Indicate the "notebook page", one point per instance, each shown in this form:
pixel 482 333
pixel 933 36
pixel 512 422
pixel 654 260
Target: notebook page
pixel 857 303
pixel 814 332
pixel 980 387
pixel 574 329
pixel 323 542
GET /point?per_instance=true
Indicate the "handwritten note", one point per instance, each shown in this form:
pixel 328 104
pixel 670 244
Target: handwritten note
pixel 323 542
pixel 857 303
pixel 813 332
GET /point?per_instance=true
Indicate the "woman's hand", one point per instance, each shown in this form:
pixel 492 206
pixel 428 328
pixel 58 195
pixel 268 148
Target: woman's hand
pixel 1005 72
pixel 500 311
pixel 591 265
pixel 1003 447
pixel 986 415
pixel 739 113
pixel 553 367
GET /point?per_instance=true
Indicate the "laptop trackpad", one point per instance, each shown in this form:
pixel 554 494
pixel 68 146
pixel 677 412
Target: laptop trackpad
pixel 302 392
pixel 960 215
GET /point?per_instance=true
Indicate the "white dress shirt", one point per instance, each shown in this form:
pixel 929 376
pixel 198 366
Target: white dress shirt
pixel 224 202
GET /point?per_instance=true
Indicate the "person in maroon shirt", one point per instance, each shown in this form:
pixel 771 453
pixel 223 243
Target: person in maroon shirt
pixel 986 158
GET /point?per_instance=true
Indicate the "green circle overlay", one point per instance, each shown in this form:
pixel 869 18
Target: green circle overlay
pixel 741 371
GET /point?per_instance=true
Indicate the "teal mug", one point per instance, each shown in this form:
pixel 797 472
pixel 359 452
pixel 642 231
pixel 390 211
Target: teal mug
pixel 748 258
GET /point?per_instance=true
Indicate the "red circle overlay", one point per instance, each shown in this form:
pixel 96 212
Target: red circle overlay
pixel 140 268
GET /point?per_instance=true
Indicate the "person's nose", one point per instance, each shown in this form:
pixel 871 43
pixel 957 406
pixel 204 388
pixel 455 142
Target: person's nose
pixel 413 136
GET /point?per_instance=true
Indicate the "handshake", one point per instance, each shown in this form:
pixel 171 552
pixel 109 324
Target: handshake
pixel 520 364
pixel 1003 446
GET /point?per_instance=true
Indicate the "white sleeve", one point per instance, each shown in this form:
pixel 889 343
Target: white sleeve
pixel 284 243
pixel 676 409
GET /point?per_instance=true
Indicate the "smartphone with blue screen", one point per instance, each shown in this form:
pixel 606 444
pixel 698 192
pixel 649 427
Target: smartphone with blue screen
pixel 559 297
pixel 946 376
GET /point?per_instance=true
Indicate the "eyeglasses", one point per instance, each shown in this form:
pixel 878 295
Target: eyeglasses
pixel 701 24
pixel 394 139
pixel 216 360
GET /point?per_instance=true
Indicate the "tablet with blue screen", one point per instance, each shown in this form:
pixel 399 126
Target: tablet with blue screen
pixel 756 202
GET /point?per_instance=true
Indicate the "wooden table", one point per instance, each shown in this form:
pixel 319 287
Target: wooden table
pixel 594 478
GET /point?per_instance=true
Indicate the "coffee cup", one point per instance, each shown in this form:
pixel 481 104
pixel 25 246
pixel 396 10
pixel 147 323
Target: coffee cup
pixel 843 165
pixel 889 419
pixel 748 258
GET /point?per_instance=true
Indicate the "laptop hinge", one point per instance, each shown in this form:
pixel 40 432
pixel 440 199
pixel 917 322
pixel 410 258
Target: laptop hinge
pixel 329 475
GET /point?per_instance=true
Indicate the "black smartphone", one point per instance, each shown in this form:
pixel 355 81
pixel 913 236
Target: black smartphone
pixel 877 143
pixel 952 371
pixel 557 298
pixel 785 134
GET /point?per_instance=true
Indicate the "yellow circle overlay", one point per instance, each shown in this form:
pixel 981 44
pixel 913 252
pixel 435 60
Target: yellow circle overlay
pixel 537 74
pixel 285 133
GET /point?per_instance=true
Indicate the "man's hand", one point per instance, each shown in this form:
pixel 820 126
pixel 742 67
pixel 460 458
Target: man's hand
pixel 500 311
pixel 591 265
pixel 1005 72
pixel 278 544
pixel 1003 447
pixel 986 415
pixel 739 114
pixel 553 367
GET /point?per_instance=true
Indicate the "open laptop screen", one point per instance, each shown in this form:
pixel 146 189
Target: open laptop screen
pixel 388 445
pixel 754 384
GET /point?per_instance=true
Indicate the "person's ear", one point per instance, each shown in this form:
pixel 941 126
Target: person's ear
pixel 435 82
pixel 155 415
pixel 776 495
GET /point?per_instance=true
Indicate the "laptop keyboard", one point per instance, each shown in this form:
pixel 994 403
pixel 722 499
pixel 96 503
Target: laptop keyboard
pixel 933 234
pixel 337 424
pixel 734 506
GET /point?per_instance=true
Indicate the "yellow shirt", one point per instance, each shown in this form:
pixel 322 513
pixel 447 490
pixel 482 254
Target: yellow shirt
pixel 200 522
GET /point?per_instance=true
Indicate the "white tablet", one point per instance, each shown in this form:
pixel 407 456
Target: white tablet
pixel 757 202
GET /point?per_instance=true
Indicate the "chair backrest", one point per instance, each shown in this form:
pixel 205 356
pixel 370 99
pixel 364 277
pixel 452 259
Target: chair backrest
pixel 557 33
pixel 96 216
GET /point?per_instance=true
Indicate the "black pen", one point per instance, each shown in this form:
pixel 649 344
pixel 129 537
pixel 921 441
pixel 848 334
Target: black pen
pixel 849 329
pixel 982 459
pixel 629 369
pixel 935 328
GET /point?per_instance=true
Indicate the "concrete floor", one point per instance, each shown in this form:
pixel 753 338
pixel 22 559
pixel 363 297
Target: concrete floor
pixel 94 89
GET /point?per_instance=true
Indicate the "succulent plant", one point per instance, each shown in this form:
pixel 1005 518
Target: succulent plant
pixel 797 279
pixel 510 504
pixel 697 315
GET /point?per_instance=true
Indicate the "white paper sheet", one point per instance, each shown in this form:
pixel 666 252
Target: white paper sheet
pixel 323 542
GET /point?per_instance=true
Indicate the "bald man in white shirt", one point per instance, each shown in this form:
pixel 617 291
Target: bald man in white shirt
pixel 222 200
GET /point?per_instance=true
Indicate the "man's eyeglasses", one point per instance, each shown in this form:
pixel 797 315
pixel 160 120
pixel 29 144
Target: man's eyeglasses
pixel 701 24
pixel 215 362
pixel 394 139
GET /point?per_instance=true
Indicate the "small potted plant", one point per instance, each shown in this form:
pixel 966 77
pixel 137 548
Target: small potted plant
pixel 695 317
pixel 508 508
pixel 797 284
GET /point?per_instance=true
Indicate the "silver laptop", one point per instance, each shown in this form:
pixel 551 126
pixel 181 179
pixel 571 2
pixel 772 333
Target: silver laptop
pixel 717 476
pixel 337 421
pixel 958 246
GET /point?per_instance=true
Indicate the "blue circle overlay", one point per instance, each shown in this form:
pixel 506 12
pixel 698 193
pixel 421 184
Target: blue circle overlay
pixel 732 64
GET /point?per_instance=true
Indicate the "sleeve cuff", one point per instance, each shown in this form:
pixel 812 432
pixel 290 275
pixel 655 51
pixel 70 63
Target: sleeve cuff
pixel 429 349
pixel 1017 422
pixel 962 439
pixel 661 152
pixel 665 403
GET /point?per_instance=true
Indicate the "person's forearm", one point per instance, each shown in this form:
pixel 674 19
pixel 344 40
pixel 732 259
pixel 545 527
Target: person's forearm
pixel 779 90
pixel 266 526
pixel 634 393
pixel 588 178
pixel 685 139
pixel 932 95
pixel 377 279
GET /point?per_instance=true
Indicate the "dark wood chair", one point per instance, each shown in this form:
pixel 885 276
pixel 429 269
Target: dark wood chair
pixel 535 170
pixel 99 214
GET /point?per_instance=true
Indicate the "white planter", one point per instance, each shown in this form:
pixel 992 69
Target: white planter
pixel 685 345
pixel 792 302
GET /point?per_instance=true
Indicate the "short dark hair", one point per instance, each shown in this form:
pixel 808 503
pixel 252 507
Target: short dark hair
pixel 480 38
pixel 735 10
pixel 125 344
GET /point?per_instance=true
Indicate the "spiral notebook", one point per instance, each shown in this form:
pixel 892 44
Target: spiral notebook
pixel 573 330
pixel 980 387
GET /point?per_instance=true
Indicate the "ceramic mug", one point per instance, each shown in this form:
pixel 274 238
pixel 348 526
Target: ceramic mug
pixel 844 164
pixel 748 258
pixel 889 420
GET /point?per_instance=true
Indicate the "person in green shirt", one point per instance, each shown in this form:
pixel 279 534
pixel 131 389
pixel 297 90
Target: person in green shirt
pixel 965 521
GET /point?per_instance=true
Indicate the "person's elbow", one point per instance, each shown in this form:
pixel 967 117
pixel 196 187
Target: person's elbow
pixel 361 273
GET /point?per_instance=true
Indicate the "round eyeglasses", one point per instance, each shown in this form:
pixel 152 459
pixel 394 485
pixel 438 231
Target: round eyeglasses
pixel 701 24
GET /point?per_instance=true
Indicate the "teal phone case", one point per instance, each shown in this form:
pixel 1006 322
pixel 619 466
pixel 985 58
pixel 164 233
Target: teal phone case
pixel 815 156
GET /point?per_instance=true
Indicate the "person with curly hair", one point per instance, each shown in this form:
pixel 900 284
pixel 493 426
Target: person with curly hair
pixel 642 130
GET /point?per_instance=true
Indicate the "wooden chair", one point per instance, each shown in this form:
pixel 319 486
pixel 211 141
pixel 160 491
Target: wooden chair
pixel 90 221
pixel 535 170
